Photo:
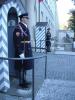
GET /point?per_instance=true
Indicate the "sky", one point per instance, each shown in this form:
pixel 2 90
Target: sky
pixel 63 9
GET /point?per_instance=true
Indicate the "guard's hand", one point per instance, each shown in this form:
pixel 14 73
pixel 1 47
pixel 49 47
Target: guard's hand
pixel 17 34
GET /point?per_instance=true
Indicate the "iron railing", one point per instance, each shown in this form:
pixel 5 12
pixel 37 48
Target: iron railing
pixel 27 58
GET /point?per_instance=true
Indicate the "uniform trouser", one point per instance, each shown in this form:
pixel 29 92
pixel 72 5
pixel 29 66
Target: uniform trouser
pixel 48 48
pixel 22 76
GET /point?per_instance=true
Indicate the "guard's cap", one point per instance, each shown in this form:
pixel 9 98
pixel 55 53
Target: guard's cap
pixel 48 29
pixel 24 15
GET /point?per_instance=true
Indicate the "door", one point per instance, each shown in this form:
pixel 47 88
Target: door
pixel 12 21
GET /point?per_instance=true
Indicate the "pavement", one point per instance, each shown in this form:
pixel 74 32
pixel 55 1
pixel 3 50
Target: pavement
pixel 56 90
pixel 60 84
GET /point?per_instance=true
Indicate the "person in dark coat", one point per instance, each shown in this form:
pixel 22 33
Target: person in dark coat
pixel 48 40
pixel 22 44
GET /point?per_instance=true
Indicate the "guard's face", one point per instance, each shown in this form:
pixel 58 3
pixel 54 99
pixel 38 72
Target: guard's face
pixel 25 20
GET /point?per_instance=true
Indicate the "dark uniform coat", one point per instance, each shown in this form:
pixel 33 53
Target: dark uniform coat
pixel 48 37
pixel 21 47
pixel 48 42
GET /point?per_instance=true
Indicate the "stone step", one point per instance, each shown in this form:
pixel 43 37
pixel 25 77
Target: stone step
pixel 26 93
pixel 4 96
pixel 17 94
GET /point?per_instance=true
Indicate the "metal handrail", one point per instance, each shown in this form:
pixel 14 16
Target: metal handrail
pixel 26 58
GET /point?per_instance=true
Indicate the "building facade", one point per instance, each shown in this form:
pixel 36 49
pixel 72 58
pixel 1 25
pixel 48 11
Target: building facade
pixel 9 12
pixel 47 12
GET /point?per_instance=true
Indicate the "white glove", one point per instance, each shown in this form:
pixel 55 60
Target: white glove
pixel 22 55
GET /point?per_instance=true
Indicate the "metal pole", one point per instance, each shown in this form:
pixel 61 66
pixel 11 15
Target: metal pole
pixel 39 11
pixel 46 66
pixel 33 83
pixel 35 45
pixel 40 46
pixel 46 56
pixel 45 42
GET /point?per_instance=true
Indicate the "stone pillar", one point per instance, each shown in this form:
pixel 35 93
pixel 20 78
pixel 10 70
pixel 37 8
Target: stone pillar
pixel 30 10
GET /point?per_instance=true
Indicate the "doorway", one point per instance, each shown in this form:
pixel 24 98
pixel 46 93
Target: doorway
pixel 12 22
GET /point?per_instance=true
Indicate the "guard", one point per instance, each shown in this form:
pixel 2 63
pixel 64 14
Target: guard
pixel 48 42
pixel 22 45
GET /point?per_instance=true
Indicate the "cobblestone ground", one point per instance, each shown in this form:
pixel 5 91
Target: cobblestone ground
pixel 56 90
